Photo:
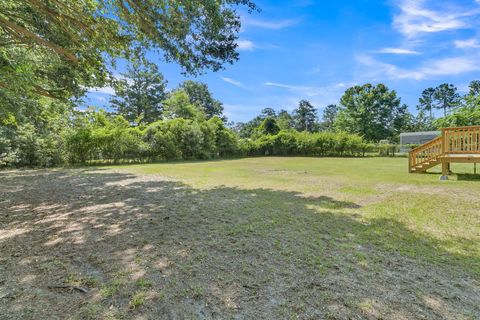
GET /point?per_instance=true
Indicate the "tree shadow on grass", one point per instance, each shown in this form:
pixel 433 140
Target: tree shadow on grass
pixel 145 247
pixel 468 177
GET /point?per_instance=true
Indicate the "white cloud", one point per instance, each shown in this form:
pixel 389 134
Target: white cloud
pixel 378 69
pixel 306 90
pixel 469 43
pixel 433 68
pixel 416 17
pixel 451 66
pixel 246 45
pixel 312 91
pixel 397 51
pixel 233 82
pixel 268 24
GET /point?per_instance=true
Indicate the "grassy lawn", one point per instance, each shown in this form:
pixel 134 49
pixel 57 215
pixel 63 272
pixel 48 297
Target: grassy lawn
pixel 258 238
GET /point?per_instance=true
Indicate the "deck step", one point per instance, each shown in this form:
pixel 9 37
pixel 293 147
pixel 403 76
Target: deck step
pixel 425 166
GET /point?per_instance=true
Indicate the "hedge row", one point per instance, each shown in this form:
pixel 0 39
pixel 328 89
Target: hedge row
pixel 97 137
pixel 307 144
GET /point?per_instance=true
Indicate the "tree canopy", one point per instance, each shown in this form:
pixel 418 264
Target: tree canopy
pixel 61 47
pixel 305 116
pixel 201 96
pixel 140 92
pixel 269 126
pixel 369 111
pixel 329 115
pixel 178 105
pixel 446 97
pixel 427 101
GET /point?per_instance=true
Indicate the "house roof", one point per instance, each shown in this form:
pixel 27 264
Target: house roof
pixel 421 133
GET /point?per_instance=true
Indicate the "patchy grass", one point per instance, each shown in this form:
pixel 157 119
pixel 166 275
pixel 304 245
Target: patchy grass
pixel 253 238
pixel 137 300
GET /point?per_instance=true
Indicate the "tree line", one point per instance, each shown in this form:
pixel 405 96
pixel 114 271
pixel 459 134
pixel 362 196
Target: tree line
pixel 374 112
pixel 146 122
pixel 52 52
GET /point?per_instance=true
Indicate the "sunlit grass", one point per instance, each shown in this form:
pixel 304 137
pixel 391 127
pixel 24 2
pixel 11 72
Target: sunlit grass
pixel 447 212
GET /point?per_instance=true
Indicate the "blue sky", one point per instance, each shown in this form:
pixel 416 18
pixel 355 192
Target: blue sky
pixel 314 50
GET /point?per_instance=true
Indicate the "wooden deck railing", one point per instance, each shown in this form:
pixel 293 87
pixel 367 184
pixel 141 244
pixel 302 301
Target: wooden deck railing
pixel 462 140
pixel 427 152
pixel 459 140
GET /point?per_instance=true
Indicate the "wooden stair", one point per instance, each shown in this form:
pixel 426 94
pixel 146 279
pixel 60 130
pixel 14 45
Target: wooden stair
pixel 422 167
pixel 460 144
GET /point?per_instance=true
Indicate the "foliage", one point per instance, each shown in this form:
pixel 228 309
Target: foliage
pixel 268 112
pixel 98 136
pixel 468 114
pixel 422 122
pixel 200 96
pixel 308 144
pixel 31 135
pixel 61 47
pixel 178 105
pixel 474 88
pixel 284 120
pixel 268 127
pixel 330 113
pixel 248 129
pixel 403 121
pixel 305 116
pixel 426 101
pixel 369 111
pixel 446 97
pixel 140 92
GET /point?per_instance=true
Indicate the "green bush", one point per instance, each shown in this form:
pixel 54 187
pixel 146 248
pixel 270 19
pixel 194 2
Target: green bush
pixel 305 143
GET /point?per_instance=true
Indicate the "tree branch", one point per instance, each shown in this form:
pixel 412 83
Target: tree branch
pixel 20 32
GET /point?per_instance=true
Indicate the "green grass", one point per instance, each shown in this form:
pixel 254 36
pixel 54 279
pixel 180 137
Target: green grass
pixel 137 300
pixel 308 238
pixel 401 209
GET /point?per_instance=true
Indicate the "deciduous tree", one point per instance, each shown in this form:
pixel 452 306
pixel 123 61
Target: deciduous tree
pixel 201 96
pixel 178 106
pixel 140 92
pixel 285 120
pixel 82 37
pixel 369 111
pixel 269 126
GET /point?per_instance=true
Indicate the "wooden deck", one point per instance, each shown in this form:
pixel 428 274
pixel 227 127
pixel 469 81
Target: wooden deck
pixel 460 144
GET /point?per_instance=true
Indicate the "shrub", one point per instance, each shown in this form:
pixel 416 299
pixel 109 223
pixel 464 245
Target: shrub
pixel 305 143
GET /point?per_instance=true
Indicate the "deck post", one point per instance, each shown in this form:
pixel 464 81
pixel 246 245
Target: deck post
pixel 445 170
pixel 444 141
